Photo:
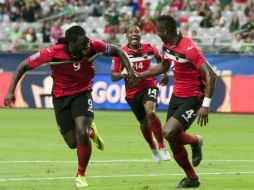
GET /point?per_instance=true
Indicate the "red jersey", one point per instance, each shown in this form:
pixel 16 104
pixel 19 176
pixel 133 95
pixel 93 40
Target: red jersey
pixel 69 76
pixel 141 61
pixel 185 58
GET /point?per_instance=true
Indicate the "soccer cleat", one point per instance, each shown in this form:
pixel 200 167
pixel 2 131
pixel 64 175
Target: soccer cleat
pixel 156 155
pixel 197 152
pixel 81 181
pixel 97 140
pixel 188 183
pixel 164 154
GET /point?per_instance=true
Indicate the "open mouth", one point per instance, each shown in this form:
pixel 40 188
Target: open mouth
pixel 134 40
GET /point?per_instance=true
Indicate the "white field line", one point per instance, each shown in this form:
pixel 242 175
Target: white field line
pixel 121 176
pixel 104 161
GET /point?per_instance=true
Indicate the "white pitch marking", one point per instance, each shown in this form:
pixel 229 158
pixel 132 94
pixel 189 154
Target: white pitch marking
pixel 120 176
pixel 104 161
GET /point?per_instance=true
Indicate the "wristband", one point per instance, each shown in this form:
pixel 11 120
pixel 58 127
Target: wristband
pixel 206 102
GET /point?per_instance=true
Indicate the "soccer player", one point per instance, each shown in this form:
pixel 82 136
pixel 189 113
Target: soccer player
pixel 194 82
pixel 71 62
pixel 143 98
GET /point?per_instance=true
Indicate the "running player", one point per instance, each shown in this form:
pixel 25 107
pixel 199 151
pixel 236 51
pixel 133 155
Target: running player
pixel 143 98
pixel 194 82
pixel 73 72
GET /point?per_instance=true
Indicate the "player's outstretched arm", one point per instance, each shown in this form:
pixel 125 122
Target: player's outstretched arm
pixel 202 114
pixel 117 52
pixel 133 79
pixel 21 69
pixel 155 71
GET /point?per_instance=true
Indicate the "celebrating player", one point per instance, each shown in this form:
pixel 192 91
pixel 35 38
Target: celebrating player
pixel 72 71
pixel 143 98
pixel 194 82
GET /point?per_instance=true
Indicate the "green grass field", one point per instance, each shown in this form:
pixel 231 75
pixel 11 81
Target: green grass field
pixel 33 155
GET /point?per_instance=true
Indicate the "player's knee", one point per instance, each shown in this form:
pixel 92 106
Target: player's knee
pixel 72 145
pixel 151 115
pixel 168 135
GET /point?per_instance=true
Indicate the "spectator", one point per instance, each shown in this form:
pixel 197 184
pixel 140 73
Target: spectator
pixel 249 8
pixel 67 24
pixel 194 37
pixel 112 18
pixel 125 22
pixel 219 20
pixel 225 4
pixel 4 14
pixel 45 32
pixel 236 44
pixel 28 13
pixel 234 25
pixel 56 31
pixel 66 8
pixel 98 8
pixel 248 47
pixel 113 39
pixel 207 21
pixel 30 36
pixel 15 34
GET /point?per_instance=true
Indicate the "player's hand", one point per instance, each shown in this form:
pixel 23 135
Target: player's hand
pixel 164 80
pixel 202 116
pixel 9 99
pixel 133 80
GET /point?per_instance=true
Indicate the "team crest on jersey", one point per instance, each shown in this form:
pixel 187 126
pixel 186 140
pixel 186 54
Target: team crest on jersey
pixel 145 55
pixel 35 56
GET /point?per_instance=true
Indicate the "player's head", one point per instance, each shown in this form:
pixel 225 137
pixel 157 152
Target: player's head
pixel 76 40
pixel 133 35
pixel 166 28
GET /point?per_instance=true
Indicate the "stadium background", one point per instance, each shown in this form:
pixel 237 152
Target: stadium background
pixel 29 25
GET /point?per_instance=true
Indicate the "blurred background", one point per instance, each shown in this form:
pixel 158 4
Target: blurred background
pixel 223 29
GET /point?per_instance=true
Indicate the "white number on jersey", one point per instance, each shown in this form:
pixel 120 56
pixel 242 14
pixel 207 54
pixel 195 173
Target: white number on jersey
pixel 188 114
pixel 138 65
pixel 152 92
pixel 90 103
pixel 76 66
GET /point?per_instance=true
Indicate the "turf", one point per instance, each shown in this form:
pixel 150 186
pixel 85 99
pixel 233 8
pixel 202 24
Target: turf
pixel 33 155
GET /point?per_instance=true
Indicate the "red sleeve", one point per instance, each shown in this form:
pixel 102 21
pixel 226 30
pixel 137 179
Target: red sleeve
pixel 101 47
pixel 193 54
pixel 116 65
pixel 39 58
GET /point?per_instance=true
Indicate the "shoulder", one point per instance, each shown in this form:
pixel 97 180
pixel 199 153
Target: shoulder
pixel 55 48
pixel 188 45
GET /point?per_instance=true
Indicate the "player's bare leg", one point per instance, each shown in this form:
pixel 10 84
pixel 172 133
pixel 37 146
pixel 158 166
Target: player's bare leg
pixel 177 138
pixel 84 148
pixel 156 127
pixel 70 138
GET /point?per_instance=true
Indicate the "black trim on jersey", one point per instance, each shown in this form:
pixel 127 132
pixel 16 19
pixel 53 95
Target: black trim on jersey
pixel 178 39
pixel 172 52
pixel 140 54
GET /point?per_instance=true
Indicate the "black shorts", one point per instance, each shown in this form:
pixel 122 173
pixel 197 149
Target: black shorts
pixel 69 107
pixel 184 109
pixel 137 103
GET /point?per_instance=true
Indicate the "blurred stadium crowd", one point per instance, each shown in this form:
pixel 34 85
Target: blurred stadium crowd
pixel 218 26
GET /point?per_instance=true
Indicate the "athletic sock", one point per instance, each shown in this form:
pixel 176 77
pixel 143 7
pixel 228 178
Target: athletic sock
pixel 181 157
pixel 147 134
pixel 83 153
pixel 156 127
pixel 184 138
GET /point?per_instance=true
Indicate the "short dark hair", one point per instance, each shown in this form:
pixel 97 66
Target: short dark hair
pixel 131 25
pixel 72 34
pixel 168 22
